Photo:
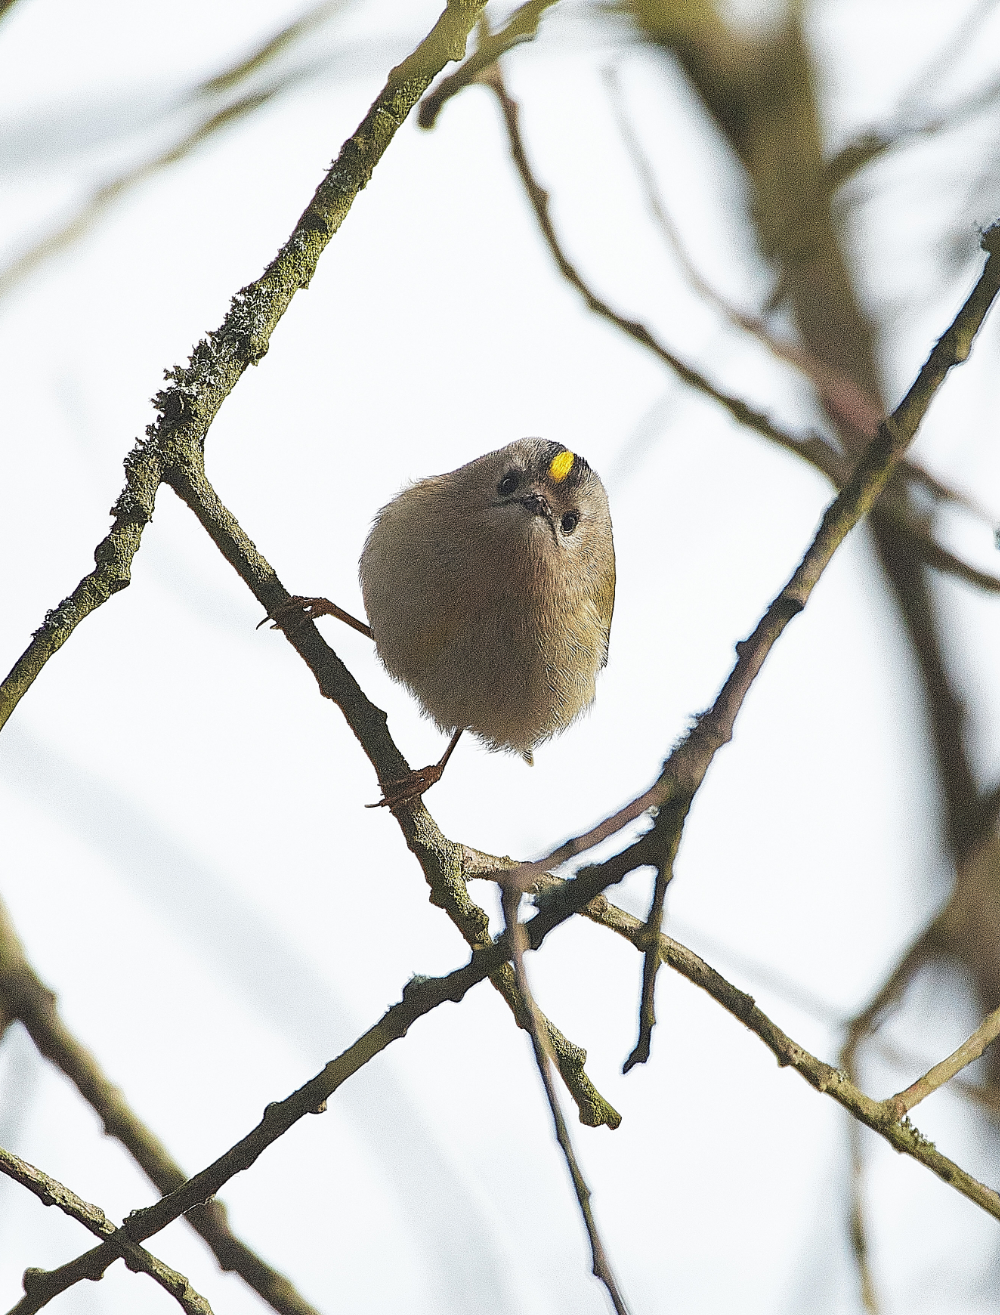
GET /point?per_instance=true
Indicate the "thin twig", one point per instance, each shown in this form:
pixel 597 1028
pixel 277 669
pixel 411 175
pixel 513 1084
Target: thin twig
pixel 814 449
pixel 878 1115
pixel 685 768
pixel 559 901
pixel 209 124
pixel 523 26
pixel 849 402
pixel 969 1051
pixel 51 1192
pixel 868 146
pixel 858 413
pixel 600 1264
pixel 651 966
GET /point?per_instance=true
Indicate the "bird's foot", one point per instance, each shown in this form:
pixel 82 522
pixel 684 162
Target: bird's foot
pixel 298 610
pixel 411 786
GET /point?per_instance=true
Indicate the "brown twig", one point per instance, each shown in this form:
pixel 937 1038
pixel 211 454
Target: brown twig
pixel 888 994
pixel 137 1258
pixel 441 860
pixel 814 449
pixel 844 398
pixel 523 26
pixel 685 769
pixel 852 404
pixel 600 1264
pixel 969 1051
pixel 880 1116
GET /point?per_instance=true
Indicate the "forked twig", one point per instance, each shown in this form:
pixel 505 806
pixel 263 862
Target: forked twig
pixel 517 937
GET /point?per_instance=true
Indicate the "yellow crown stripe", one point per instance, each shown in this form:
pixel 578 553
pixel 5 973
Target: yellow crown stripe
pixel 562 464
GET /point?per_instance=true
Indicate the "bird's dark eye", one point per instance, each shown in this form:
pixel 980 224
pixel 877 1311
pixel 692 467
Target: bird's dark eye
pixel 508 484
pixel 570 521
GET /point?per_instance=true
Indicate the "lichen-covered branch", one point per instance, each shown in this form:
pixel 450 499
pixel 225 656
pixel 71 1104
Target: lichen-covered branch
pixel 196 391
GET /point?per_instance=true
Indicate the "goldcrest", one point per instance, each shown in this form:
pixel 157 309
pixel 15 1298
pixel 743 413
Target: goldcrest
pixel 489 592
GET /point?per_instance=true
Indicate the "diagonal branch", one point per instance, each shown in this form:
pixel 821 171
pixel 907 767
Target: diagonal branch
pixel 196 391
pixel 441 860
pixel 880 1116
pixel 685 769
pixel 559 901
pixel 814 449
pixel 969 1051
pixel 845 400
pixel 522 27
pixel 139 1260
pixel 24 996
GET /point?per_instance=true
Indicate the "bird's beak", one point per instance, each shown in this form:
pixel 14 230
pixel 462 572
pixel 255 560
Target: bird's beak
pixel 538 505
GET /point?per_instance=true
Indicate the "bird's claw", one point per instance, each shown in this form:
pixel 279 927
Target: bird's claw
pixel 405 788
pixel 298 610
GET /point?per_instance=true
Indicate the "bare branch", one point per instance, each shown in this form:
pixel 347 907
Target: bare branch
pixel 814 449
pixel 196 391
pixel 855 407
pixel 877 1115
pixel 24 996
pixel 969 1051
pixel 600 1264
pixel 685 768
pixel 522 27
pixel 137 1258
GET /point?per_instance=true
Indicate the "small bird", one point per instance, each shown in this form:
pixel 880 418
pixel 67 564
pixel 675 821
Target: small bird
pixel 489 592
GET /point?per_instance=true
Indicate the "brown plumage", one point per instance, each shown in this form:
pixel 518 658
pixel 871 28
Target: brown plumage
pixel 490 591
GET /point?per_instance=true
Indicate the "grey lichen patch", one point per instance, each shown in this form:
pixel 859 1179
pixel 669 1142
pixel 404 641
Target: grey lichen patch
pixel 63 616
pixel 417 980
pixel 914 1134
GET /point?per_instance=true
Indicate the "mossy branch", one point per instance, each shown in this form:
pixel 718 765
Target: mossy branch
pixel 196 391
